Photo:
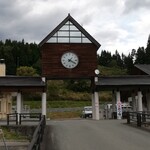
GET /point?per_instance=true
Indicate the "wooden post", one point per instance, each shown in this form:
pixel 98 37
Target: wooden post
pixel 128 118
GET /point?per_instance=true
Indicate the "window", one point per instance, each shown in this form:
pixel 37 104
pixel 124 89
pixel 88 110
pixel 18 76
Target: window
pixel 69 34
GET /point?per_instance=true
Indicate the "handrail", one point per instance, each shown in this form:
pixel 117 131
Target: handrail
pixel 38 135
pixel 140 118
pixel 31 115
pixel 18 117
pixel 15 115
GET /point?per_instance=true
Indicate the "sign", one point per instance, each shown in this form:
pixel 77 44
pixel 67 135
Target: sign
pixel 119 110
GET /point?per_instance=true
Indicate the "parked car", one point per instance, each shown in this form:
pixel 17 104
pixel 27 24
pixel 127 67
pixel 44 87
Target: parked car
pixel 87 112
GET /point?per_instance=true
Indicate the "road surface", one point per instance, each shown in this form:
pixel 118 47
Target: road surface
pixel 94 135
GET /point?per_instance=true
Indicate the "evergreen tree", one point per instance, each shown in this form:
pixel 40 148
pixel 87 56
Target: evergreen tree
pixel 148 51
pixel 105 58
pixel 118 59
pixel 128 63
pixel 19 54
pixel 140 57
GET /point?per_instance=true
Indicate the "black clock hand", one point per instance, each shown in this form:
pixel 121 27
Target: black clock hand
pixel 73 62
pixel 70 60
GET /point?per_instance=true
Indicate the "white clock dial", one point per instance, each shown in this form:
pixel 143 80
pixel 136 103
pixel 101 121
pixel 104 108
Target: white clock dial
pixel 69 60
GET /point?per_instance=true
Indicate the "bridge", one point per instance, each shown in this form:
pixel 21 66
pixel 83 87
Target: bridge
pixel 94 135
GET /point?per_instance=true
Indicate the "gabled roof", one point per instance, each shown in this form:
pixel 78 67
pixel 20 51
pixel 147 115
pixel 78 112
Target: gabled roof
pixel 76 24
pixel 144 67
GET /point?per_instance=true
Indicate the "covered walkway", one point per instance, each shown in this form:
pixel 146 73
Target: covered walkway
pixel 133 87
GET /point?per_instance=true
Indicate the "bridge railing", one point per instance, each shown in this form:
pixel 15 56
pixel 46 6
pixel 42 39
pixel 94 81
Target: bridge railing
pixel 19 118
pixel 13 117
pixel 139 118
pixel 38 135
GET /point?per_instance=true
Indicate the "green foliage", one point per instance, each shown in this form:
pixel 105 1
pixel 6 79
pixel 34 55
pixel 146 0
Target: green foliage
pixel 18 54
pixel 109 71
pixel 26 71
pixel 12 135
pixel 140 56
pixel 78 85
pixel 148 51
pixel 104 58
pixel 128 63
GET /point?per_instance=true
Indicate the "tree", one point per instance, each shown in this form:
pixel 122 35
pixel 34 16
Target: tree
pixel 105 58
pixel 128 63
pixel 78 85
pixel 140 57
pixel 118 59
pixel 26 71
pixel 148 51
pixel 19 54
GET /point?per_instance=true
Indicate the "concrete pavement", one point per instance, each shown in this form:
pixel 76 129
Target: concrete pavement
pixel 94 135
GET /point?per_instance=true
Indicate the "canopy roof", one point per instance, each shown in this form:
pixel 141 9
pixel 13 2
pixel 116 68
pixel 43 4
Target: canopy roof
pixel 123 82
pixel 13 83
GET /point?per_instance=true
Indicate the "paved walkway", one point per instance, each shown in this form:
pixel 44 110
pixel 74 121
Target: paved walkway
pixel 94 135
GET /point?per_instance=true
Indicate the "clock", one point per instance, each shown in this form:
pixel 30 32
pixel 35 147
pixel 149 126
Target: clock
pixel 69 60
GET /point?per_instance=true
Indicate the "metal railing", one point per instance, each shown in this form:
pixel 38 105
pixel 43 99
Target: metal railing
pixel 19 118
pixel 139 118
pixel 38 135
pixel 13 117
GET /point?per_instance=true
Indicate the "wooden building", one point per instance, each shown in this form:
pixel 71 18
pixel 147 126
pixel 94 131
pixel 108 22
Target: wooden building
pixel 69 51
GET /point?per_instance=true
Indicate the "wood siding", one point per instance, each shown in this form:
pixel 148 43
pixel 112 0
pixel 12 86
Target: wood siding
pixel 51 60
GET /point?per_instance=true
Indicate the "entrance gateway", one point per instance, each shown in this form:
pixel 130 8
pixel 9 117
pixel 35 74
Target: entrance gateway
pixel 70 52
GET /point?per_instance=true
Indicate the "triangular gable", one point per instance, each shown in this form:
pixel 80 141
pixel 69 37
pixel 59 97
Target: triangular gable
pixel 69 31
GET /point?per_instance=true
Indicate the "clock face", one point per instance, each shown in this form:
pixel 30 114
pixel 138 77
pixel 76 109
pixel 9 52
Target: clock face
pixel 69 60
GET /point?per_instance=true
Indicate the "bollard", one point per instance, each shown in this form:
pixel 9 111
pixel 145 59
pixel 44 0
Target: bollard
pixel 128 118
pixel 139 119
pixel 20 119
pixel 8 119
pixel 143 117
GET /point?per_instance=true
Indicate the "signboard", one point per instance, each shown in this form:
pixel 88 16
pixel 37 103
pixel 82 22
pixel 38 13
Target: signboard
pixel 119 110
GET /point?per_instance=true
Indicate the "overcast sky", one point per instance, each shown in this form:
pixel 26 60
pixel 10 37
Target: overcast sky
pixel 120 25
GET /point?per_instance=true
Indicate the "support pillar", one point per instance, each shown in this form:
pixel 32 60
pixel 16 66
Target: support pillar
pixel 44 103
pixel 18 105
pixel 134 102
pixel 148 101
pixel 139 101
pixel 119 107
pixel 95 102
pixel 96 99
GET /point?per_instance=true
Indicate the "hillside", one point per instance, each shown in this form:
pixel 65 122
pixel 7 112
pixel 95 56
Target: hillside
pixel 79 90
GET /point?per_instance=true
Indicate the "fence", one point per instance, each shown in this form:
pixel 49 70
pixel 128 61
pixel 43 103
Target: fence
pixel 38 135
pixel 19 118
pixel 138 118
